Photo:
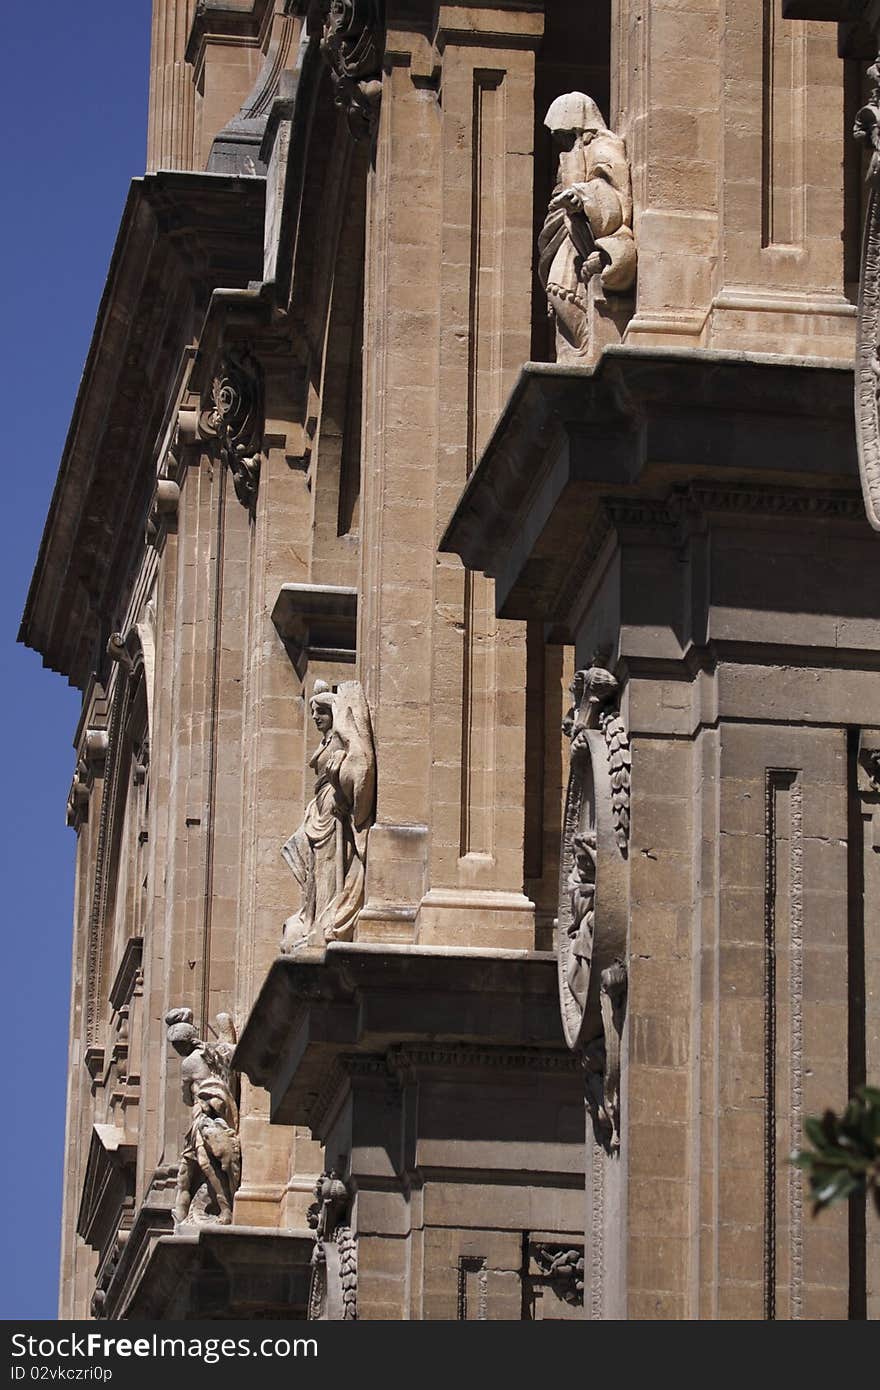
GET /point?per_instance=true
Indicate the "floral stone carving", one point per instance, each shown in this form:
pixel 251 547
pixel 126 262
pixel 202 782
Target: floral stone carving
pixel 209 1173
pixel 593 892
pixel 587 233
pixel 327 853
pixel 333 1288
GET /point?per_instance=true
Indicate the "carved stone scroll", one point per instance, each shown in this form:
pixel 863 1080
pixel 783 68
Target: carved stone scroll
pixel 209 1171
pixel 593 892
pixel 235 419
pixel 867 370
pixel 333 1289
pixel 587 235
pixel 352 43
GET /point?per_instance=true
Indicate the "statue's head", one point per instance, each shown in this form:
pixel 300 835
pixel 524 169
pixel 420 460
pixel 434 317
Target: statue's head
pixel 583 846
pixel 183 1037
pixel 321 706
pixel 572 117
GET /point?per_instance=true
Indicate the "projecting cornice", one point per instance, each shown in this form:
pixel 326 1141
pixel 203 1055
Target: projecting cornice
pixel 639 423
pixel 182 236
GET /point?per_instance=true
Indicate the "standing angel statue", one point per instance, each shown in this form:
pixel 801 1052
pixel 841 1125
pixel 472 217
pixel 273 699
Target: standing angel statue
pixel 587 232
pixel 327 853
pixel 211 1156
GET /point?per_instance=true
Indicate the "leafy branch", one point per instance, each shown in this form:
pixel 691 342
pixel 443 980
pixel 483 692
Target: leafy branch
pixel 845 1158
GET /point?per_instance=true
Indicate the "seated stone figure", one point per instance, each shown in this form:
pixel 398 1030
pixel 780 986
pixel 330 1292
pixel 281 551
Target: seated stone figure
pixel 588 228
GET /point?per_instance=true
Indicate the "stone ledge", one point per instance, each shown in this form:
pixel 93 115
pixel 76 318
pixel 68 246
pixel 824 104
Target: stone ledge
pixel 638 423
pixel 361 1000
pixel 225 1271
pixel 316 622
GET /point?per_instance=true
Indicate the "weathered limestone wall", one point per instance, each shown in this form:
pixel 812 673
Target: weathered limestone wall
pixel 735 125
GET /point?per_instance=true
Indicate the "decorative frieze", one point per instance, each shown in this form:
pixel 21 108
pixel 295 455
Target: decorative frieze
pixel 209 1171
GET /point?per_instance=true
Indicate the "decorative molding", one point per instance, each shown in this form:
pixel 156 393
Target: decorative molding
pixel 593 892
pixel 401 1064
pixel 129 974
pixel 867 367
pixel 333 1290
pixel 163 509
pixel 235 419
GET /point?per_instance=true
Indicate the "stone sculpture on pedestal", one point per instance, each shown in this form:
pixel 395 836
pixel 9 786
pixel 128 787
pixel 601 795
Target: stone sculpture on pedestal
pixel 587 233
pixel 327 853
pixel 211 1156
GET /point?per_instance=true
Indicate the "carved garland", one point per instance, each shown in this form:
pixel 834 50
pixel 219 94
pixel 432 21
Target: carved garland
pixel 867 373
pixel 333 1288
pixel 593 902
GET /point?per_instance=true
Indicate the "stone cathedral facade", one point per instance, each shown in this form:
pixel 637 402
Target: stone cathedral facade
pixel 465 548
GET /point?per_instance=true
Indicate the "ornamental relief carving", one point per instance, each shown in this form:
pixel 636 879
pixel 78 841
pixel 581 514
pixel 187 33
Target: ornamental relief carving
pixel 333 1287
pixel 867 368
pixel 235 419
pixel 593 892
pixel 352 44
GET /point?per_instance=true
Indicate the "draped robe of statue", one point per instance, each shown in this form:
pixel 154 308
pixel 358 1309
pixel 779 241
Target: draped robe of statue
pixel 327 852
pixel 588 228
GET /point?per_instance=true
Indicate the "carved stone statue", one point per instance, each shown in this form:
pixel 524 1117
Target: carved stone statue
pixel 587 232
pixel 352 43
pixel 582 886
pixel 211 1157
pixel 327 853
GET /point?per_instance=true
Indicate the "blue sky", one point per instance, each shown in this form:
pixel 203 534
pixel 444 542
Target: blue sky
pixel 75 114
